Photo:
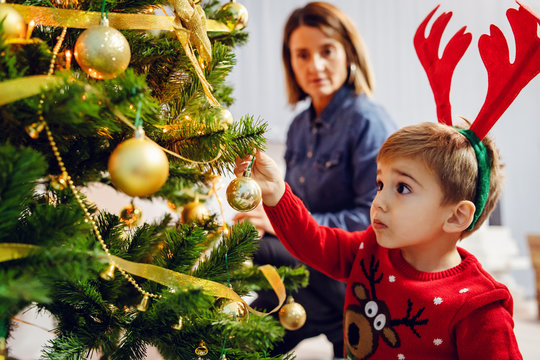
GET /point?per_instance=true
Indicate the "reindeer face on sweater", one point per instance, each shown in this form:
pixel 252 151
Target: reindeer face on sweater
pixel 370 320
pixel 366 323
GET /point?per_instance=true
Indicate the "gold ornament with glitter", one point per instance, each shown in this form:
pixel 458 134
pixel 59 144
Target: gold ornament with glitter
pixel 236 15
pixel 138 166
pixel 292 315
pixel 102 51
pixel 13 26
pixel 131 215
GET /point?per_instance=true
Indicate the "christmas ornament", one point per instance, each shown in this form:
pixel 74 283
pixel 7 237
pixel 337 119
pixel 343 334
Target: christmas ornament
pixel 179 325
pixel 108 274
pixel 143 306
pixel 292 315
pixel 194 211
pixel 33 130
pixel 13 23
pixel 235 309
pixel 58 182
pixel 201 350
pixel 225 118
pixel 236 15
pixel 131 215
pixel 243 194
pixel 102 51
pixel 138 166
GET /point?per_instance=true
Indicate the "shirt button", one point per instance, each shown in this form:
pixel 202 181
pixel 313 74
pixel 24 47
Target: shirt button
pixel 302 179
pixel 309 154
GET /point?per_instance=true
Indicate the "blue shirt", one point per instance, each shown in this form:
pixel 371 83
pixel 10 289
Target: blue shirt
pixel 331 158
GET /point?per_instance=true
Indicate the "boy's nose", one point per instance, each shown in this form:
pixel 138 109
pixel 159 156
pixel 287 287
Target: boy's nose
pixel 379 202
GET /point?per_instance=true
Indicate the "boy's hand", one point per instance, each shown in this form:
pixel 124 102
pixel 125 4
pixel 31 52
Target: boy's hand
pixel 266 173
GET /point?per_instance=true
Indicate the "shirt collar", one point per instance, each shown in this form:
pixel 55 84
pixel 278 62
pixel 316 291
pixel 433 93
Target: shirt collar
pixel 325 118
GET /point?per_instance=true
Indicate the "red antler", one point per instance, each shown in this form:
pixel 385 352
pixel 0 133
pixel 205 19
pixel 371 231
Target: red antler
pixel 440 71
pixel 506 80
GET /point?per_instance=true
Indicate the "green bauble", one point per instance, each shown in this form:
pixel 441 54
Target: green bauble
pixel 244 194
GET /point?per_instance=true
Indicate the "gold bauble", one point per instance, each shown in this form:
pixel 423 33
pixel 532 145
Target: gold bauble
pixel 225 118
pixel 236 15
pixel 58 182
pixel 194 211
pixel 131 215
pixel 292 315
pixel 13 25
pixel 33 130
pixel 243 194
pixel 236 310
pixel 138 167
pixel 102 51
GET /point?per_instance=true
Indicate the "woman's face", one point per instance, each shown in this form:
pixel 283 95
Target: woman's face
pixel 319 64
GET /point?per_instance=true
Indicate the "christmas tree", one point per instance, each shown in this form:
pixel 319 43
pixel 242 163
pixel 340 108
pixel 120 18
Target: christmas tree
pixel 143 108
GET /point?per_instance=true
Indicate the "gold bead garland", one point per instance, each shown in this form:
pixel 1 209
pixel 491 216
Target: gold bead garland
pixel 67 177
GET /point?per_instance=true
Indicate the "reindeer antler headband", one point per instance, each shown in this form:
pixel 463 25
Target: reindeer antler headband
pixel 505 79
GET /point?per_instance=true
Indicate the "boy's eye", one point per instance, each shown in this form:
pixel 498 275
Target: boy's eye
pixel 379 185
pixel 403 188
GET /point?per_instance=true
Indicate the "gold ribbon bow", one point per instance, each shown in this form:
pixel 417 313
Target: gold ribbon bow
pixel 190 27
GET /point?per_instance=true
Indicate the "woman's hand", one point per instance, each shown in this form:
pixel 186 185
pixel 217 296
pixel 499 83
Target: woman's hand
pixel 266 173
pixel 258 218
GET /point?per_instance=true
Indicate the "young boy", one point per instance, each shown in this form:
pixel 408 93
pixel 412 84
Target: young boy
pixel 412 293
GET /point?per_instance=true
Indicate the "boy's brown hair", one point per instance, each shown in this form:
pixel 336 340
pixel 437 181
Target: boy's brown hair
pixel 452 159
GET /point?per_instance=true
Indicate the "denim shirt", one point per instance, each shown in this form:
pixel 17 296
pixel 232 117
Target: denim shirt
pixel 331 158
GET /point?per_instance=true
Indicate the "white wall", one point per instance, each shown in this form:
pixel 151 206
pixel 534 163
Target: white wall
pixel 388 28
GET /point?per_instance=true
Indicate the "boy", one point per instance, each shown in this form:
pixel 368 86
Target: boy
pixel 412 293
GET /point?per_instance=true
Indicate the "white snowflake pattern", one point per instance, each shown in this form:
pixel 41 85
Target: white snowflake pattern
pixel 392 278
pixel 463 291
pixel 437 300
pixel 401 356
pixel 437 342
pixel 361 245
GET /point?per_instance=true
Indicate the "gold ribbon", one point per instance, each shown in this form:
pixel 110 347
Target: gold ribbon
pixel 169 278
pixel 189 24
pixel 49 16
pixel 20 88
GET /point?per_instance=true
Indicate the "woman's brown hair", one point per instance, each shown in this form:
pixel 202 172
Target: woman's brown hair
pixel 335 24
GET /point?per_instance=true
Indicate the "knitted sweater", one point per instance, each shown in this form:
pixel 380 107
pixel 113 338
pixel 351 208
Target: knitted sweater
pixel 393 311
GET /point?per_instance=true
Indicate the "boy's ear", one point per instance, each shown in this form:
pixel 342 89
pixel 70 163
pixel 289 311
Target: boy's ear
pixel 461 217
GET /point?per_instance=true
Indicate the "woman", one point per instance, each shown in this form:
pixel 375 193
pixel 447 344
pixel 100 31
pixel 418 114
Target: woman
pixel 330 153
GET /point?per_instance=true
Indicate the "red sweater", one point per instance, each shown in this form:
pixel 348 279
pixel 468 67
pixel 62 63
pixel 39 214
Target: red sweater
pixel 393 311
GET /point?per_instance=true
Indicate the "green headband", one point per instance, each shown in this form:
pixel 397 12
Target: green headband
pixel 484 173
